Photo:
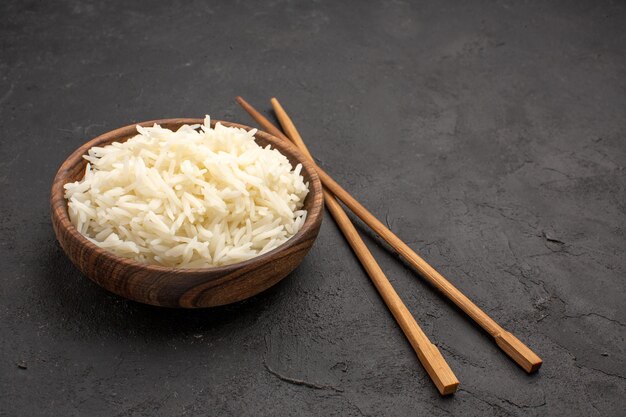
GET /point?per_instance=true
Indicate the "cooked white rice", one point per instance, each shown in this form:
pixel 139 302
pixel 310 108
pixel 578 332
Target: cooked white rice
pixel 197 197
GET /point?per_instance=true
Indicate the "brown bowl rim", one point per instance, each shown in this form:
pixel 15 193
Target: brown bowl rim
pixel 57 196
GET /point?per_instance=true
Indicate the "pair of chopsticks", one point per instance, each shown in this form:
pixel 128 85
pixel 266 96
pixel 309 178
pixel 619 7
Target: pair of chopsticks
pixel 428 354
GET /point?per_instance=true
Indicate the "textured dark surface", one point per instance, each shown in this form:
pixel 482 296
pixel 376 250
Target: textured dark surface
pixel 490 137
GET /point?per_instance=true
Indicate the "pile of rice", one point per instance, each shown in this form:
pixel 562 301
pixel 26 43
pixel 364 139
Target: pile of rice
pixel 196 197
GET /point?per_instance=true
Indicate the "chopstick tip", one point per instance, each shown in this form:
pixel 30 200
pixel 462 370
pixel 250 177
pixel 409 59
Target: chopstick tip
pixel 450 389
pixel 276 104
pixel 519 352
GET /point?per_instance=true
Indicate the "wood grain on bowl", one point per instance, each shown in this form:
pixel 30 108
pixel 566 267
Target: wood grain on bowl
pixel 183 287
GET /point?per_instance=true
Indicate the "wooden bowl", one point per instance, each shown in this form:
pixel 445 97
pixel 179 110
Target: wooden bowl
pixel 183 287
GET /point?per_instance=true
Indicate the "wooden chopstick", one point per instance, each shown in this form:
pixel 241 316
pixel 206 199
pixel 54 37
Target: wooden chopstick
pixel 512 346
pixel 428 354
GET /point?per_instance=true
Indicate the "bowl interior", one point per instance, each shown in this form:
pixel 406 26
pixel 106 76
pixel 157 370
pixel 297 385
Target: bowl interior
pixel 74 167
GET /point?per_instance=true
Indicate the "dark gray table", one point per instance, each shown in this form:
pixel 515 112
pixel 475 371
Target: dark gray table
pixel 490 137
